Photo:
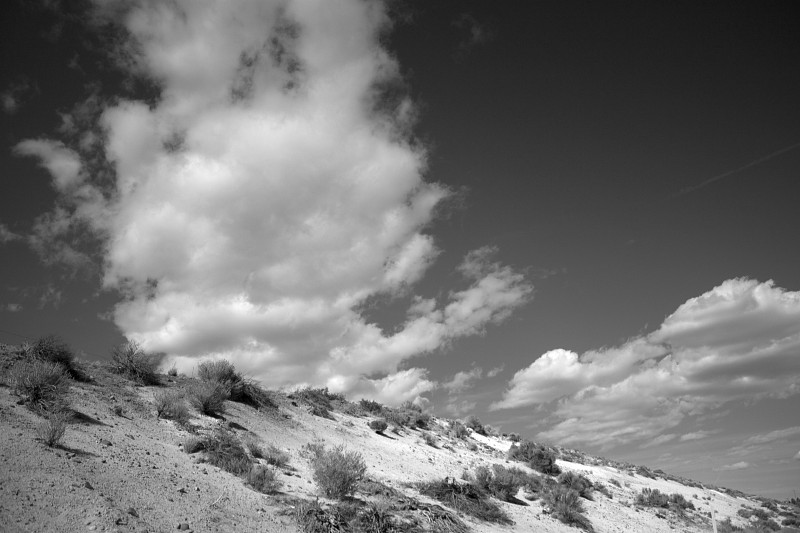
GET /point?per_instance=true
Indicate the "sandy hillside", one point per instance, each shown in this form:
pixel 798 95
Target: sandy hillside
pixel 121 468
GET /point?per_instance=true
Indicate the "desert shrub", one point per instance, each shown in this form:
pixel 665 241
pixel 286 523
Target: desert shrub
pixel 430 440
pixel 615 482
pixel 378 426
pixel 130 360
pixel 338 471
pixel 173 371
pixel 418 419
pixel 726 526
pixel 565 505
pixel 576 482
pixel 514 437
pixel 209 397
pixel 42 385
pixel 253 446
pixel 263 479
pixel 652 498
pixel 312 450
pixel 474 423
pixel 791 521
pixel 602 489
pixel 394 417
pixel 471 446
pixel 225 451
pixel 53 349
pixel 219 371
pixel 276 457
pixel 680 502
pixel 457 430
pixel 370 406
pixel 319 400
pixel 171 405
pixel 192 444
pixel 374 518
pixel 536 456
pixel 500 482
pixel 465 498
pixel 51 429
pixel 537 486
pixel 312 518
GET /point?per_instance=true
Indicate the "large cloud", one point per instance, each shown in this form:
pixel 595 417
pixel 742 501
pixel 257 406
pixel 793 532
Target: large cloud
pixel 268 192
pixel 741 340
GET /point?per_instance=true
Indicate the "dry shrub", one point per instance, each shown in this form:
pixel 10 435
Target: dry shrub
pixel 378 426
pixel 192 444
pixel 576 482
pixel 53 349
pixel 565 505
pixel 263 479
pixel 209 397
pixel 276 457
pixel 130 360
pixel 337 472
pixel 170 404
pixel 220 371
pixel 51 429
pixel 225 451
pixel 465 498
pixel 42 385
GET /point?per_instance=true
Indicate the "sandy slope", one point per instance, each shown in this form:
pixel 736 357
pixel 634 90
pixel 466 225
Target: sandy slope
pixel 129 472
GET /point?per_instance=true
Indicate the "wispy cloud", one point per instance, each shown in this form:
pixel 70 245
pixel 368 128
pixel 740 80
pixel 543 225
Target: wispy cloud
pixel 741 465
pixel 463 380
pixel 737 341
pixel 270 190
pixel 6 235
pixel 696 435
pixel 772 436
pixel 12 308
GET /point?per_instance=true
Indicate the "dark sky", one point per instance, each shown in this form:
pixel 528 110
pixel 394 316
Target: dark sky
pixel 622 162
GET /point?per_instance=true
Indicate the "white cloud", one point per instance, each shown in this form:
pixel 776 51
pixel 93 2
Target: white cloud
pixel 661 439
pixel 13 307
pixel 738 341
pixel 6 235
pixel 267 193
pixel 772 436
pixel 463 380
pixel 741 465
pixel 695 435
pixel 797 456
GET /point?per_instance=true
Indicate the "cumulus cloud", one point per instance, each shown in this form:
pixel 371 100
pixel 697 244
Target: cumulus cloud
pixel 463 380
pixel 738 341
pixel 270 189
pixel 741 465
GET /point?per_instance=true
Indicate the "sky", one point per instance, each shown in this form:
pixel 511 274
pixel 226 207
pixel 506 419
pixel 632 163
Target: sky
pixel 577 221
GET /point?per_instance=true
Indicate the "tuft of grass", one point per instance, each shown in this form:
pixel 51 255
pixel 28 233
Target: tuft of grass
pixel 51 429
pixel 465 498
pixel 378 426
pixel 209 397
pixel 263 479
pixel 276 457
pixel 170 404
pixel 565 505
pixel 225 451
pixel 53 349
pixel 192 444
pixel 337 472
pixel 130 360
pixel 42 385
pixel 173 371
pixel 312 518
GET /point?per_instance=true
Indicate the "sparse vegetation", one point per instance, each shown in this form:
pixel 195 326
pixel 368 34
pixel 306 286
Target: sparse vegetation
pixel 370 406
pixel 263 479
pixel 337 471
pixel 53 349
pixel 458 430
pixel 430 440
pixel 576 482
pixel 42 385
pixel 130 360
pixel 536 456
pixel 51 429
pixel 193 444
pixel 465 498
pixel 318 400
pixel 474 423
pixel 170 404
pixel 276 457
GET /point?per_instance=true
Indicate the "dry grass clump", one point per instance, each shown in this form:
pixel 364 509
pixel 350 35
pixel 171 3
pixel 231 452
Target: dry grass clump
pixel 263 479
pixel 576 482
pixel 225 451
pixel 565 505
pixel 193 444
pixel 501 482
pixel 130 360
pixel 319 400
pixel 51 429
pixel 430 440
pixel 465 498
pixel 240 389
pixel 53 349
pixel 209 397
pixel 170 404
pixel 42 385
pixel 337 471
pixel 370 406
pixel 538 457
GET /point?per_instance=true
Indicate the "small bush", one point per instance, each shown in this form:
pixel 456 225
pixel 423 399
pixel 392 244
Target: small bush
pixel 192 444
pixel 538 457
pixel 131 361
pixel 337 472
pixel 51 430
pixel 652 498
pixel 474 423
pixel 576 482
pixel 538 486
pixel 276 457
pixel 209 397
pixel 458 430
pixel 226 452
pixel 219 371
pixel 465 498
pixel 42 385
pixel 378 426
pixel 319 400
pixel 514 437
pixel 369 406
pixel 312 450
pixel 263 479
pixel 312 518
pixel 53 349
pixel 678 500
pixel 565 505
pixel 615 482
pixel 171 405
pixel 430 440
pixel 173 371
